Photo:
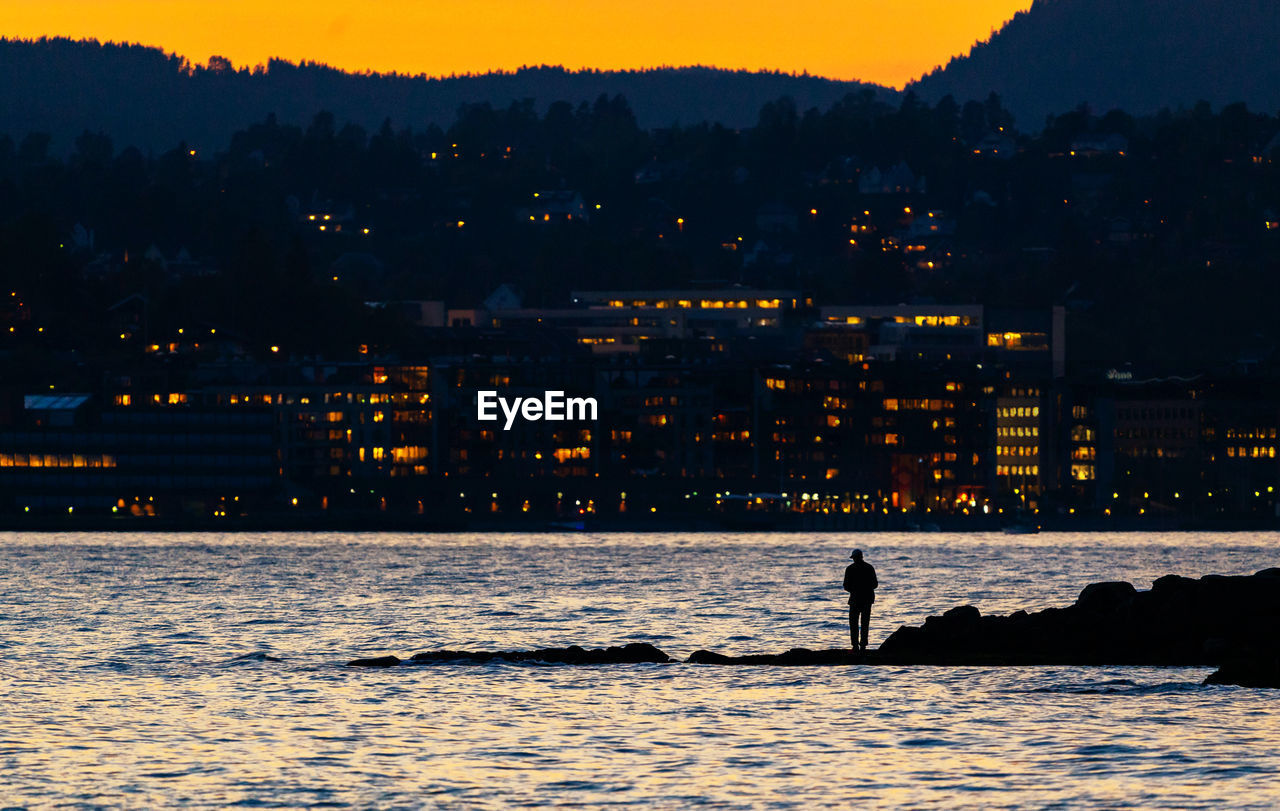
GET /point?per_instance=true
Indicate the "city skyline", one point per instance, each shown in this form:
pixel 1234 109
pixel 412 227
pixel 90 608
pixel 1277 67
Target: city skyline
pixel 849 41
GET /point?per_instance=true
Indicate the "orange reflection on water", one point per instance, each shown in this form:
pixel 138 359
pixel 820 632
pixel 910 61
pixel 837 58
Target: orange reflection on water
pixel 136 672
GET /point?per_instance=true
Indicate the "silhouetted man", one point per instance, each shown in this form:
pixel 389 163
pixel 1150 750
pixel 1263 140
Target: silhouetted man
pixel 860 581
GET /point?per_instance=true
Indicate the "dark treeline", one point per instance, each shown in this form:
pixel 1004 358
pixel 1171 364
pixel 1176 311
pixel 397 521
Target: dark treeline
pixel 1160 234
pixel 147 98
pixel 1137 55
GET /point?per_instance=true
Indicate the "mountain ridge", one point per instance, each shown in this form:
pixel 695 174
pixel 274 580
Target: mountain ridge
pixel 64 87
pixel 1138 55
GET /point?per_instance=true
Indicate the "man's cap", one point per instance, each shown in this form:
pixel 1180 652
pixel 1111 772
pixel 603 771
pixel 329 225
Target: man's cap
pixel 857 553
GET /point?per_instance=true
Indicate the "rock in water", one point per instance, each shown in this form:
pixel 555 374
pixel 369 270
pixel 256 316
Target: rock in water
pixel 706 657
pixel 1179 621
pixel 634 653
pixel 1105 597
pixel 380 661
pixel 1258 671
pixel 796 657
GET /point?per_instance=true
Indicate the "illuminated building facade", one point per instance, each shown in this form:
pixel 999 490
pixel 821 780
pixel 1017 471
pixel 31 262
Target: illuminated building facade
pixel 70 453
pixel 1019 453
pixel 710 401
pixel 881 438
pixel 1031 341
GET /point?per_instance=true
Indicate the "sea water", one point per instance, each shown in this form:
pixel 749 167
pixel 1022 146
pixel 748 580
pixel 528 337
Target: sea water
pixel 206 670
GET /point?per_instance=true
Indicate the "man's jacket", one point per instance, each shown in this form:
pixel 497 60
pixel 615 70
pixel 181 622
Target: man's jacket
pixel 860 581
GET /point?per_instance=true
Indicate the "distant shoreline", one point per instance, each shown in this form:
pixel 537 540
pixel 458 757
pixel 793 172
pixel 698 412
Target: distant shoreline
pixel 681 524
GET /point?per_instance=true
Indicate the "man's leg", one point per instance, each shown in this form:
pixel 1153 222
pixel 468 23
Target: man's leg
pixel 865 612
pixel 853 626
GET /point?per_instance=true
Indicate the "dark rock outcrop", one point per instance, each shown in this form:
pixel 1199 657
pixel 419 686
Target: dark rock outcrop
pixel 796 657
pixel 634 653
pixel 1179 621
pixel 1105 596
pixel 1256 671
pixel 377 661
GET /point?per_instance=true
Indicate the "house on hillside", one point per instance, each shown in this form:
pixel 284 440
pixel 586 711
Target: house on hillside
pixel 1094 146
pixel 929 224
pixel 1269 152
pixel 559 206
pixel 504 297
pixel 776 218
pixel 898 179
pixel 656 171
pixel 996 146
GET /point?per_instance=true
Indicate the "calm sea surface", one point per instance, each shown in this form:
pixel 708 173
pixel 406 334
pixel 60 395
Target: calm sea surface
pixel 207 670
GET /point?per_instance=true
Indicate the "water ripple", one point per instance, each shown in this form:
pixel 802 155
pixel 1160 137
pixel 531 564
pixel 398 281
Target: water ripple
pixel 159 670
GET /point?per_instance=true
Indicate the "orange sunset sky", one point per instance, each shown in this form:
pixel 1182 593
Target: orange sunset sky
pixel 885 42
